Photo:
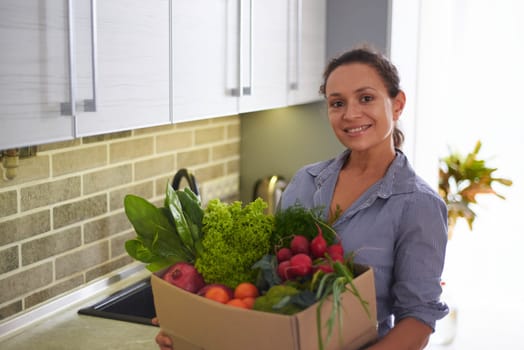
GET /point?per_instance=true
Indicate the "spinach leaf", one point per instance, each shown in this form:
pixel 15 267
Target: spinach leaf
pixel 157 241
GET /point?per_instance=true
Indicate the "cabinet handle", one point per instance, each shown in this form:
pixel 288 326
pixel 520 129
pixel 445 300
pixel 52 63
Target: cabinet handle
pixel 69 108
pixel 242 90
pixel 247 90
pixel 298 46
pixel 236 90
pixel 90 105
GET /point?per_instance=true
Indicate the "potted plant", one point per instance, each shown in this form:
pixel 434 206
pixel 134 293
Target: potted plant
pixel 461 179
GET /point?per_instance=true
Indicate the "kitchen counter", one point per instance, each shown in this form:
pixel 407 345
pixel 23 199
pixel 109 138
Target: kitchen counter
pixel 63 328
pixel 66 329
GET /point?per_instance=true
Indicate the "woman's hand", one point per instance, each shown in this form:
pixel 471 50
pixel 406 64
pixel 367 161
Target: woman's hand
pixel 162 339
pixel 408 334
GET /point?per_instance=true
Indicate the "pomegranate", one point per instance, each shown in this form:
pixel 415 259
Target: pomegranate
pixel 185 276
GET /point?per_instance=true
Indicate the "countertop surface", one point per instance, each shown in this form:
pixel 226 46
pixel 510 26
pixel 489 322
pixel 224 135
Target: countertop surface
pixel 66 329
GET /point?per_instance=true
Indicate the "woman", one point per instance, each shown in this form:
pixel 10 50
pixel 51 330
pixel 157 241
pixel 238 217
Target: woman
pixel 381 209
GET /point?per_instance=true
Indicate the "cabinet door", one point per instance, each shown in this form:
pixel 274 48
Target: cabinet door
pixel 130 84
pixel 307 50
pixel 33 73
pixel 263 54
pixel 205 58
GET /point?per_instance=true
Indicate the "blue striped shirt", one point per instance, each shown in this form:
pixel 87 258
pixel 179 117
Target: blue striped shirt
pixel 398 227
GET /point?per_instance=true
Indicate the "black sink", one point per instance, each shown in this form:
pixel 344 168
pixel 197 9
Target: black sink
pixel 132 304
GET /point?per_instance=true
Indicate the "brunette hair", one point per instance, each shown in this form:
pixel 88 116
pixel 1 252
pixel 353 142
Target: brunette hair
pixel 381 64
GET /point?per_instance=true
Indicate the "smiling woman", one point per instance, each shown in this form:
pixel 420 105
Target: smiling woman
pixel 378 205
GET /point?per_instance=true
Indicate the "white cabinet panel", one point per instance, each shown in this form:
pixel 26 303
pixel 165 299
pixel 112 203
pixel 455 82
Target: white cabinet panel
pixel 33 73
pixel 264 55
pixel 129 49
pixel 205 58
pixel 229 56
pixel 132 65
pixel 307 50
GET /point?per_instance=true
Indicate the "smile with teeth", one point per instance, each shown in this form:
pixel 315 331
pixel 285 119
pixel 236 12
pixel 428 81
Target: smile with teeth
pixel 357 129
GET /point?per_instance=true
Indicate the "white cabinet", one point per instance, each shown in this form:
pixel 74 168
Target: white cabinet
pixel 229 56
pixel 204 56
pixel 131 64
pixel 263 55
pixel 33 73
pixel 307 50
pixel 128 64
pixel 110 57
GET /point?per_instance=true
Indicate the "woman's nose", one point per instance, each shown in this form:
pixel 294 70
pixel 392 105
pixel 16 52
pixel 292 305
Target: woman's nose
pixel 353 110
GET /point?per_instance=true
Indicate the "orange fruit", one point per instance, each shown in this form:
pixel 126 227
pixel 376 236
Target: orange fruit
pixel 238 303
pixel 246 290
pixel 217 294
pixel 249 301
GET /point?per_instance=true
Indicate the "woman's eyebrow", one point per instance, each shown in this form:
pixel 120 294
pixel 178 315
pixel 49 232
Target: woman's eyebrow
pixel 357 91
pixel 364 88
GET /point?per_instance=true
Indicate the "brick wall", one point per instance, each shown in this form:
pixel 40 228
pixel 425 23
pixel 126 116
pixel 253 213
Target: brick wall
pixel 62 223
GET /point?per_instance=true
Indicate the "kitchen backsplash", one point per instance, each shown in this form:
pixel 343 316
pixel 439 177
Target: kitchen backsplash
pixel 62 223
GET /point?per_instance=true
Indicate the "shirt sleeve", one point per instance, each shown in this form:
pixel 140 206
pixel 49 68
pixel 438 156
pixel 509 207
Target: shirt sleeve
pixel 419 260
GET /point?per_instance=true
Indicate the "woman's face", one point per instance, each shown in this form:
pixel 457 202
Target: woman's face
pixel 360 111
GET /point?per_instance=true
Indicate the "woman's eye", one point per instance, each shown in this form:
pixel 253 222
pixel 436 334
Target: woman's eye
pixel 336 104
pixel 366 98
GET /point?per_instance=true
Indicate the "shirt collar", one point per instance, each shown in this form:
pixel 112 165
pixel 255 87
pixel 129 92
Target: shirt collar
pixel 399 178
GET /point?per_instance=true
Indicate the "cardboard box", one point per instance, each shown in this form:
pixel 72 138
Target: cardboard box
pixel 197 323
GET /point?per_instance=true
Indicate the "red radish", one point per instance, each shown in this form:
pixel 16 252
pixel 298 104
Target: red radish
pixel 335 249
pixel 202 291
pixel 318 245
pixel 185 276
pixel 323 267
pixel 337 257
pixel 284 254
pixel 301 264
pixel 284 270
pixel 299 244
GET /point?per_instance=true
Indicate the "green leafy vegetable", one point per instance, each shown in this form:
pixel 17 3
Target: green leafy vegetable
pixel 165 235
pixel 157 242
pixel 278 300
pixel 267 275
pixel 234 238
pixel 187 216
pixel 298 220
pixel 332 285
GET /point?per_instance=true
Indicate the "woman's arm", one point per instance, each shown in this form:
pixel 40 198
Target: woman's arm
pixel 408 334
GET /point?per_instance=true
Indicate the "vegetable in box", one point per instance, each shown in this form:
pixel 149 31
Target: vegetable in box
pixel 230 244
